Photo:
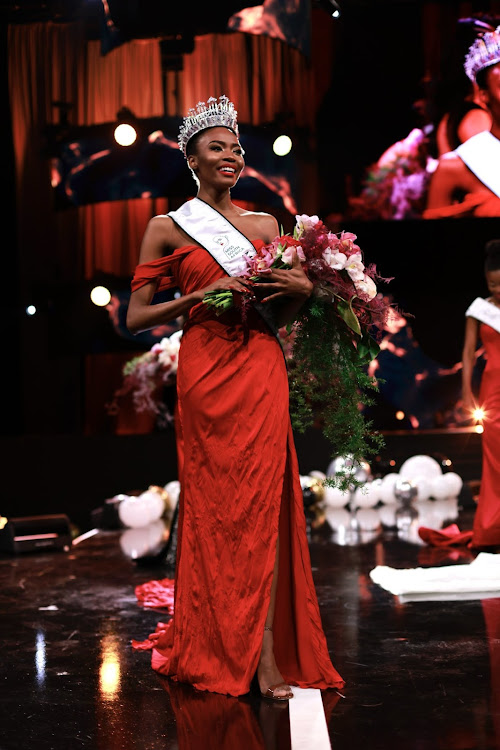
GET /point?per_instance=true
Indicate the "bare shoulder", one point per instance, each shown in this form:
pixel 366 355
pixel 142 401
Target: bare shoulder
pixel 263 225
pixel 451 171
pixel 450 163
pixel 475 121
pixel 158 239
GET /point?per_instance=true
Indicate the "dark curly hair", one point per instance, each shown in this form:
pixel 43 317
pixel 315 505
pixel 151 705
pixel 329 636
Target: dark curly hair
pixel 492 250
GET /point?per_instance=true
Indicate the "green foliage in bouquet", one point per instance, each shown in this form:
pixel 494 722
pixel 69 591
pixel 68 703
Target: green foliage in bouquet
pixel 329 380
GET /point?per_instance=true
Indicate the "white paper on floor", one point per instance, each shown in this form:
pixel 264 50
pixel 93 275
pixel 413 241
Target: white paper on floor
pixel 482 575
pixel 308 728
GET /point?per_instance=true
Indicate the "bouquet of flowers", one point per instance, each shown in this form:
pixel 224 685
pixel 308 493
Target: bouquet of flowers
pixel 147 374
pixel 396 186
pixel 334 338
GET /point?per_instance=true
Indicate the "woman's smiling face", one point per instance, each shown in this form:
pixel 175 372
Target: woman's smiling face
pixel 218 158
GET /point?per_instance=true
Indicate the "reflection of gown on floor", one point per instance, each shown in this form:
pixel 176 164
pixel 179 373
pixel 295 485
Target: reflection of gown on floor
pixel 487 519
pixel 240 486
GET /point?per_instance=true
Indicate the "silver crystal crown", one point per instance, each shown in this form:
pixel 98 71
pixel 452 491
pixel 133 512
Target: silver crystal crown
pixel 485 51
pixel 209 114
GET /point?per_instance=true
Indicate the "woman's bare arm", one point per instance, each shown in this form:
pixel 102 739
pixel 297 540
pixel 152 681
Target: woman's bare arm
pixel 468 361
pixel 159 240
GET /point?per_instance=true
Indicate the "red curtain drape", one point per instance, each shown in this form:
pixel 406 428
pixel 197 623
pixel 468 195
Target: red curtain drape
pixel 51 62
pixel 55 62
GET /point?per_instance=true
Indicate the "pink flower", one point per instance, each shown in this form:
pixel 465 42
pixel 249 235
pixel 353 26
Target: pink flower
pixel 366 287
pixel 334 259
pixel 347 244
pixel 305 222
pixel 355 267
pixel 260 262
pixel 287 256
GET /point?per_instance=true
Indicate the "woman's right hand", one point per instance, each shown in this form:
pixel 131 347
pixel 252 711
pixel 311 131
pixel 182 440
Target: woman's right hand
pixel 232 283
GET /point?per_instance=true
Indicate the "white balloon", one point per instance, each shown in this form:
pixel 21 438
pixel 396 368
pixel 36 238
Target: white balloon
pixel 138 542
pixel 368 494
pixel 387 488
pixel 368 519
pixel 333 497
pixel 427 515
pixel 317 474
pixel 454 483
pixel 346 465
pixel 338 518
pixel 387 514
pixel 419 465
pixel 173 488
pixel 154 503
pixel 133 512
pixel 424 487
pixel 446 509
pixel 440 488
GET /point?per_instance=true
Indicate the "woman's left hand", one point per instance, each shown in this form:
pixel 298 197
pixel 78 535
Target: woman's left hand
pixel 284 282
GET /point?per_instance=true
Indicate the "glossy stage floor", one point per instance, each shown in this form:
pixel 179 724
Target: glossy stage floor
pixel 420 675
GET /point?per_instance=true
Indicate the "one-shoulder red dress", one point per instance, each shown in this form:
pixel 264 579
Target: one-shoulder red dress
pixel 240 487
pixel 486 530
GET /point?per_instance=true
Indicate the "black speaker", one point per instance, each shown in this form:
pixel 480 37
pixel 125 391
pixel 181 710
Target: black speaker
pixel 35 533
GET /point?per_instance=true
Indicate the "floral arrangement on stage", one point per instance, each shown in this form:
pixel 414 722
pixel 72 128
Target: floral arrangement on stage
pixel 334 337
pixel 145 376
pixel 396 186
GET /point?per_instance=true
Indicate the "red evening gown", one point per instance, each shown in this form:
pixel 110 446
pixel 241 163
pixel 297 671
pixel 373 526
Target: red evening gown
pixel 486 530
pixel 240 487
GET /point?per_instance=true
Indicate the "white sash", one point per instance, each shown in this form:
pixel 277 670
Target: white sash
pixel 226 244
pixel 486 312
pixel 481 154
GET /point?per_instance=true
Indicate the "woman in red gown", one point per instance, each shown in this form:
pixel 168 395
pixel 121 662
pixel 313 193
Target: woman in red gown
pixel 486 530
pixel 245 602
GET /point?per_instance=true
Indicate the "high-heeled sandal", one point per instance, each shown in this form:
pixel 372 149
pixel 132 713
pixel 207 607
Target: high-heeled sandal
pixel 269 693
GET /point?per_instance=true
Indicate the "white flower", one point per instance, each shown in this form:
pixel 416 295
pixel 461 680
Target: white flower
pixel 335 260
pixel 367 287
pixel 305 222
pixel 355 267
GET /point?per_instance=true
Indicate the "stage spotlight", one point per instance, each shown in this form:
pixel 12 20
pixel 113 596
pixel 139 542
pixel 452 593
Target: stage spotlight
pixel 478 415
pixel 30 310
pixel 125 135
pixel 126 132
pixel 400 415
pixel 331 6
pixel 479 428
pixel 282 145
pixel 100 296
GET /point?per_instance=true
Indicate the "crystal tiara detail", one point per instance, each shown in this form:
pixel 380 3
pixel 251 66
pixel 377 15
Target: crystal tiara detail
pixel 485 51
pixel 211 114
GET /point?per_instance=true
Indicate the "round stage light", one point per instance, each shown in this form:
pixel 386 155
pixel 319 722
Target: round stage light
pixel 478 415
pixel 30 310
pixel 400 415
pixel 100 296
pixel 336 14
pixel 479 428
pixel 282 145
pixel 125 135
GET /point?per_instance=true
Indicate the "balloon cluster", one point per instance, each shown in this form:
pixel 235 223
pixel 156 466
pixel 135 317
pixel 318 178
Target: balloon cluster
pixel 145 518
pixel 420 487
pixel 136 511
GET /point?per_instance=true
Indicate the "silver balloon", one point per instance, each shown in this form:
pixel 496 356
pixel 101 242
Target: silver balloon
pixel 359 470
pixel 405 491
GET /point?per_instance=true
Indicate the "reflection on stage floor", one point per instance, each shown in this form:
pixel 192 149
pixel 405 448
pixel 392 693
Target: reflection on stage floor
pixel 420 674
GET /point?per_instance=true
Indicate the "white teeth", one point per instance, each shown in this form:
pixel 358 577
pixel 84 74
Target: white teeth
pixel 227 169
